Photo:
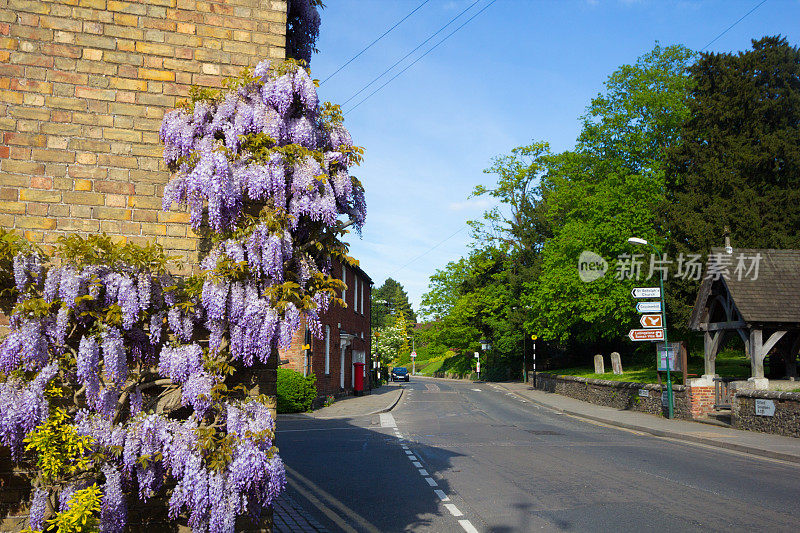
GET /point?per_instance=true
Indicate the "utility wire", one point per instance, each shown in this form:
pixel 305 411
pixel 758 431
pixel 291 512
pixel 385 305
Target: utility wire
pixel 432 248
pixel 373 42
pixel 431 49
pixel 732 25
pixel 423 43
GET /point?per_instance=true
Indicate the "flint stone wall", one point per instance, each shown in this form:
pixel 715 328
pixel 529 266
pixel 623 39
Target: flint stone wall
pixel 787 412
pixel 618 394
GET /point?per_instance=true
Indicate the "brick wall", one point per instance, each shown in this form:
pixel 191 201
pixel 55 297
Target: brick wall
pixel 351 320
pixel 84 85
pixel 702 399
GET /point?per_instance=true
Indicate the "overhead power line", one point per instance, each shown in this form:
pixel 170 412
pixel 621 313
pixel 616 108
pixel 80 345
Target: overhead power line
pixel 712 41
pixel 420 45
pixel 373 42
pixel 431 49
pixel 432 248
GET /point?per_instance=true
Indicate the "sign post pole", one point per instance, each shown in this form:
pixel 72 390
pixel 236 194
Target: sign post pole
pixel 666 340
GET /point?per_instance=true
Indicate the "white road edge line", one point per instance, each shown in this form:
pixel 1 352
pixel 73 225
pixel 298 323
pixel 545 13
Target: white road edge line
pixel 412 457
pixel 431 482
pixel 467 525
pixel 442 496
pixel 416 464
pixel 423 472
pixel 453 509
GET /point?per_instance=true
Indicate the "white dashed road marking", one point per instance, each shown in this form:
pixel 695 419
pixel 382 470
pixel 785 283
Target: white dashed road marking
pixel 388 421
pixel 467 525
pixel 453 509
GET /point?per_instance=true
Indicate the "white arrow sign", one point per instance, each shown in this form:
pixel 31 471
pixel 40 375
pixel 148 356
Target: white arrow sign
pixel 648 307
pixel 646 292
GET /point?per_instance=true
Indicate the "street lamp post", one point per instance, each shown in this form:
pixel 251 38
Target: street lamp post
pixel 638 241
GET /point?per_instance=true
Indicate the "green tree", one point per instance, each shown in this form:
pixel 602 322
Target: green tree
pixel 516 224
pixel 391 341
pixel 605 191
pixel 738 160
pixel 388 300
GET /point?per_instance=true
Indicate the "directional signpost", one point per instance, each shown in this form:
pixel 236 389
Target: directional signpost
pixel 646 334
pixel 646 292
pixel 651 321
pixel 648 307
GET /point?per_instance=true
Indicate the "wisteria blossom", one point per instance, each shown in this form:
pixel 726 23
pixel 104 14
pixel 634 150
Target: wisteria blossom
pixel 146 357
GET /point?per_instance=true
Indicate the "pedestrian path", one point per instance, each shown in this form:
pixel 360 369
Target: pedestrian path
pixel 289 517
pixel 380 400
pixel 762 444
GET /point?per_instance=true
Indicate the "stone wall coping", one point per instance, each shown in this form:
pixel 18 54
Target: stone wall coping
pixel 610 383
pixel 769 394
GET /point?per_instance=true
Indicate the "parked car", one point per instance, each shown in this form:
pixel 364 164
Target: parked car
pixel 400 373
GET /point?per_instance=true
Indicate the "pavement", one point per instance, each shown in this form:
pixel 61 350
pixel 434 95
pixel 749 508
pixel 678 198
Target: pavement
pixel 762 444
pixel 289 515
pixel 380 400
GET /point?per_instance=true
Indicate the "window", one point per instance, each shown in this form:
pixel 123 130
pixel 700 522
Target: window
pixel 344 279
pixel 355 294
pixel 362 298
pixel 327 349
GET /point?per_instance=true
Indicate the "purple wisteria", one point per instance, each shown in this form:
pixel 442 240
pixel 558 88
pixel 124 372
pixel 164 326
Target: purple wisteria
pixel 143 356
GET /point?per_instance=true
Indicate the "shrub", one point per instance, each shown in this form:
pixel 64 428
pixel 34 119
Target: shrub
pixel 295 391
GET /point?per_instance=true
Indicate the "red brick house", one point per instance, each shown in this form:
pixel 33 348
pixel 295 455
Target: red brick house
pixel 346 339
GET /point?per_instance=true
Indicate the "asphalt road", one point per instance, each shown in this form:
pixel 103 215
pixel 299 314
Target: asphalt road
pixel 488 461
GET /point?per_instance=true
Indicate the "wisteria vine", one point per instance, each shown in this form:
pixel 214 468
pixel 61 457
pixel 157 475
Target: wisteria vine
pixel 138 373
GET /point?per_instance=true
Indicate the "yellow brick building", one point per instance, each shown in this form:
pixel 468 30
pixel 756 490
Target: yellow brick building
pixel 84 85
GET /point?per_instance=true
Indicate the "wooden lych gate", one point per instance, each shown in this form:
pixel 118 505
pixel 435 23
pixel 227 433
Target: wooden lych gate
pixel 759 303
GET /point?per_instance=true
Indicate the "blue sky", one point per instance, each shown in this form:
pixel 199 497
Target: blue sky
pixel 522 70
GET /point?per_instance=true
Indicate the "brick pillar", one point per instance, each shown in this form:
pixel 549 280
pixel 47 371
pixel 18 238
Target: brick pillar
pixel 701 396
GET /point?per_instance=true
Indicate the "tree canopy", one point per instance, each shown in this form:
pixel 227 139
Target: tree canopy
pixel 737 162
pixel 388 300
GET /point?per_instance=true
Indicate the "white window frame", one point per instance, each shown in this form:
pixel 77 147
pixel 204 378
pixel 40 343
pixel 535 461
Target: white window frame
pixel 362 298
pixel 344 280
pixel 355 293
pixel 327 350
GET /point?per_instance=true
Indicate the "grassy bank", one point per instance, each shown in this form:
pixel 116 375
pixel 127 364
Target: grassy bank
pixel 730 363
